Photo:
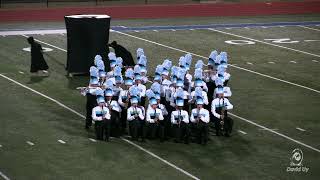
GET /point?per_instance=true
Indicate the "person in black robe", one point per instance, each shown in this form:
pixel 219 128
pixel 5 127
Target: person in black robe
pixel 37 61
pixel 122 52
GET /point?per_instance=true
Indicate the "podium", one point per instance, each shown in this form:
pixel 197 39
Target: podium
pixel 87 36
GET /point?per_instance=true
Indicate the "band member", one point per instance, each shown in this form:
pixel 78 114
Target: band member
pixel 118 81
pixel 180 86
pixel 219 108
pixel 153 118
pixel 165 84
pixel 135 116
pixel 221 73
pixel 113 62
pixel 198 80
pixel 157 74
pixel 91 95
pixel 101 117
pixel 124 98
pixel 226 90
pixel 187 64
pixel 180 119
pixel 194 95
pixel 200 118
pixel 142 63
pixel 140 52
pixel 114 109
pixel 122 52
pixel 138 83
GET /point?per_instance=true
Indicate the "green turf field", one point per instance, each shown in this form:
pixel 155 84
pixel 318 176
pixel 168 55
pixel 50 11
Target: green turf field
pixel 287 99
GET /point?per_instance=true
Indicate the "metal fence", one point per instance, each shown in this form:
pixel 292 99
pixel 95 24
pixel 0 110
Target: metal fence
pixel 62 3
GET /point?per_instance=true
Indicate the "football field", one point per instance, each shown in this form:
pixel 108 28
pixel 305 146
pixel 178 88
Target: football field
pixel 275 82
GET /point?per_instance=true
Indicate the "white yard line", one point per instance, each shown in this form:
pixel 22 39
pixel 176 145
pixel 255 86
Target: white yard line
pixel 155 30
pixel 30 143
pixel 46 43
pixel 56 31
pixel 310 28
pixel 315 61
pixel 4 176
pixel 242 132
pixel 237 67
pixel 300 129
pixel 61 141
pixel 163 160
pixel 275 132
pixel 241 118
pixel 265 129
pixel 251 39
pixel 77 113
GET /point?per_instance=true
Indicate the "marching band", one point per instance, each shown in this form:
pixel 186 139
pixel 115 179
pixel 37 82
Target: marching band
pixel 177 104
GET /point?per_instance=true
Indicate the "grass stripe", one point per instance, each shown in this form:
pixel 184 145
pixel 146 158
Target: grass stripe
pixel 77 113
pixel 275 132
pixel 234 66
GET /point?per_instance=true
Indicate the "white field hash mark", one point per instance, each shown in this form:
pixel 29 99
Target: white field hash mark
pixel 293 62
pixel 300 129
pixel 60 141
pixel 249 63
pixel 315 61
pixel 242 132
pixel 234 115
pixel 93 140
pixel 30 143
pixel 271 62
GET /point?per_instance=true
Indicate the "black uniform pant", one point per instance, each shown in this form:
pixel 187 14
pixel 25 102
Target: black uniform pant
pixel 152 130
pixel 226 128
pixel 107 128
pixel 98 125
pixel 142 129
pixel 123 120
pixel 115 123
pixel 202 135
pixel 133 129
pixel 91 103
pixel 182 132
